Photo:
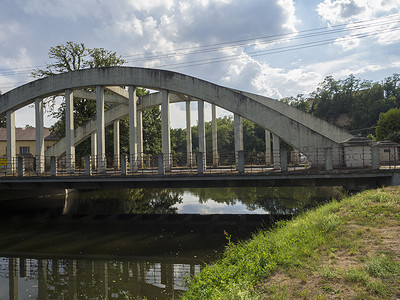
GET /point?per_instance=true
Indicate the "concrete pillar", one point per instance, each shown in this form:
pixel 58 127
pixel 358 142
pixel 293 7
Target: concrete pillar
pixel 21 166
pixel 11 146
pixel 200 162
pixel 39 123
pixel 189 145
pixel 93 152
pixel 88 165
pixel 276 152
pixel 375 157
pixel 166 138
pixel 53 166
pixel 116 144
pixel 328 159
pixel 238 129
pixel 132 128
pixel 101 140
pixel 240 162
pixel 214 135
pixel 268 152
pixel 202 130
pixel 123 164
pixel 69 131
pixel 283 159
pixel 140 138
pixel 161 169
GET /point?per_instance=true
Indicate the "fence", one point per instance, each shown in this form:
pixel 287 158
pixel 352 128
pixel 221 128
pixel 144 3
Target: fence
pixel 326 159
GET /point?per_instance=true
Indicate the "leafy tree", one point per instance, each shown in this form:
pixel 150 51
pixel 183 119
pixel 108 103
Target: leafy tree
pixel 75 56
pixel 389 126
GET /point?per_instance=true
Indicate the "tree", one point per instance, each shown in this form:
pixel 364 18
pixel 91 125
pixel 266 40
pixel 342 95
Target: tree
pixel 75 56
pixel 389 126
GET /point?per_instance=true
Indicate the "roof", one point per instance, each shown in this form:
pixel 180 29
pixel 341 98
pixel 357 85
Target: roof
pixel 27 134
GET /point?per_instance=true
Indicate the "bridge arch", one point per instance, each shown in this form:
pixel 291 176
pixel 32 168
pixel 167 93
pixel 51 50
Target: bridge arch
pixel 295 127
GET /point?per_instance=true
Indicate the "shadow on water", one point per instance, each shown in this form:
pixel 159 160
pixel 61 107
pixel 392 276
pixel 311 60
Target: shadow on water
pixel 130 244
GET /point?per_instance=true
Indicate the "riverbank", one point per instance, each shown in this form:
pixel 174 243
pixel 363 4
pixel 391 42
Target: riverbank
pixel 341 250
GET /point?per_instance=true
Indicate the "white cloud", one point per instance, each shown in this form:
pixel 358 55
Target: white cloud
pixel 369 11
pixel 342 11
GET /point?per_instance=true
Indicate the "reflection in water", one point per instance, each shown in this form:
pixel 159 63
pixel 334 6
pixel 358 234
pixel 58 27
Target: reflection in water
pixel 251 200
pixel 90 279
pixel 130 244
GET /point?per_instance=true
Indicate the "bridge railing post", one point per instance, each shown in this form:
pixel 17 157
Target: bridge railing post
pixel 284 162
pixel 161 169
pixel 53 166
pixel 375 157
pixel 200 162
pixel 21 166
pixel 240 161
pixel 88 165
pixel 134 164
pixel 328 159
pixel 123 164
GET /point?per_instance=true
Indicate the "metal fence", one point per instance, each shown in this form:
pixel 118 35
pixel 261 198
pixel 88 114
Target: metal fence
pixel 327 159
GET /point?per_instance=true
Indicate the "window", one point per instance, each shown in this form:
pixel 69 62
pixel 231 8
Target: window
pixel 23 150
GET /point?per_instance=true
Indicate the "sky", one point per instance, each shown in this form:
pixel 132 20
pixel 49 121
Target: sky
pixel 275 48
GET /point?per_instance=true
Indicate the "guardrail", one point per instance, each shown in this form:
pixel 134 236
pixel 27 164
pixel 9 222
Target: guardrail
pixel 326 159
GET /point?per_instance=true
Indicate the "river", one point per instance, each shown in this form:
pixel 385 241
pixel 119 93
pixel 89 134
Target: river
pixel 131 244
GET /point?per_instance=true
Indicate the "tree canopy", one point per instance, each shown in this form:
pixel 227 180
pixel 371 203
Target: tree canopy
pixel 73 56
pixel 389 125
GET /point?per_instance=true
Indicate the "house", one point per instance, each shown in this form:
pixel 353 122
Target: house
pixel 25 141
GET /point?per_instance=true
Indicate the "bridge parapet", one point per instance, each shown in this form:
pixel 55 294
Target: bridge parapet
pixel 347 158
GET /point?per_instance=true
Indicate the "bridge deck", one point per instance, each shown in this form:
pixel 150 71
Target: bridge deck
pixel 351 179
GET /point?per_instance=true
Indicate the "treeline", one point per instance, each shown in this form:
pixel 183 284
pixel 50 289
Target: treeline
pixel 352 103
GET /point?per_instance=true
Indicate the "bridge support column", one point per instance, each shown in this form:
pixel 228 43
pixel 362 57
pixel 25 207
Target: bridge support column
pixel 88 165
pixel 328 159
pixel 200 162
pixel 21 166
pixel 39 135
pixel 189 146
pixel 284 161
pixel 161 167
pixel 240 163
pixel 69 131
pixel 53 166
pixel 276 152
pixel 375 157
pixel 238 128
pixel 101 141
pixel 214 135
pixel 166 138
pixel 116 144
pixel 202 131
pixel 140 138
pixel 93 144
pixel 132 128
pixel 123 164
pixel 11 146
pixel 268 152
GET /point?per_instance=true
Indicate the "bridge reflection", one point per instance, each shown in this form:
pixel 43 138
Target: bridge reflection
pixel 105 278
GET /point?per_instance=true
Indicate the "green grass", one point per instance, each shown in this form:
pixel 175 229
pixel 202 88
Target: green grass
pixel 293 245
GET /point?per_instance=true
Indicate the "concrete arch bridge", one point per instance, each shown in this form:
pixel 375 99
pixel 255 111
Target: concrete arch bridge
pixel 322 143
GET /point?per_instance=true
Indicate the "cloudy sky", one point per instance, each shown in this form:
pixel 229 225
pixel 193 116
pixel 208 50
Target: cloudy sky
pixel 276 48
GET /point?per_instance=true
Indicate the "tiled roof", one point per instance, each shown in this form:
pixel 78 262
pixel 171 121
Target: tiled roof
pixel 27 134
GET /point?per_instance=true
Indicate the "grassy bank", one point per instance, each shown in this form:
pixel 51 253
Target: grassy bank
pixel 348 249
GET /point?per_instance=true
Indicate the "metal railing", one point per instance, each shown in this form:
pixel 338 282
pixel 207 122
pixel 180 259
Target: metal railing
pixel 321 159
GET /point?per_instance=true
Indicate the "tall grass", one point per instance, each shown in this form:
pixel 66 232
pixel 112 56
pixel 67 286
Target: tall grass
pixel 246 263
